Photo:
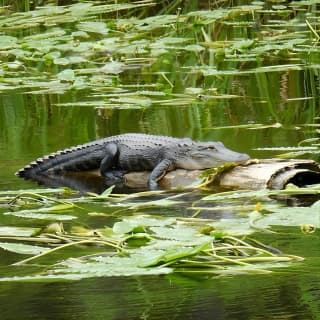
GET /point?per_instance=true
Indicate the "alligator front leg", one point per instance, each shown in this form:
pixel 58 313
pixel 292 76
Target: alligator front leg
pixel 109 160
pixel 158 172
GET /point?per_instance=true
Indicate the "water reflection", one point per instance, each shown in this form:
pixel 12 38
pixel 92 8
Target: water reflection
pixel 81 181
pixel 280 296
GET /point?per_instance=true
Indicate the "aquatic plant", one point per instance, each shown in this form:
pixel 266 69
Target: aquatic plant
pixel 132 242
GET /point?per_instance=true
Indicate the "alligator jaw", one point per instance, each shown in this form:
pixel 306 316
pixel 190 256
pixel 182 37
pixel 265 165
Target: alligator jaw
pixel 226 155
pixel 210 154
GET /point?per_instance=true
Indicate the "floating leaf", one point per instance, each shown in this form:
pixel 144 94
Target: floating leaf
pixel 58 207
pixel 113 67
pixel 34 214
pixel 93 26
pixel 17 231
pixel 107 192
pixel 35 191
pixel 66 75
pixel 23 248
pixel 122 227
pixel 7 42
pixel 292 216
pixel 194 47
pixel 149 221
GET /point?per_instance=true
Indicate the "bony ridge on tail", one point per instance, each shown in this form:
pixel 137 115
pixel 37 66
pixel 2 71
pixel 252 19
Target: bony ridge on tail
pixel 135 152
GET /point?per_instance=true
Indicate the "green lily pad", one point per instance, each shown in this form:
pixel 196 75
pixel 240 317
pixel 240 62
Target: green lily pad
pixel 67 75
pixel 22 248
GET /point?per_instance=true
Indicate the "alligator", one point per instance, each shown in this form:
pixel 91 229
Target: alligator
pixel 134 152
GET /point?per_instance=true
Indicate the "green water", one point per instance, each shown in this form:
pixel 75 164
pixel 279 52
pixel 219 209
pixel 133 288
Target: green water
pixel 204 93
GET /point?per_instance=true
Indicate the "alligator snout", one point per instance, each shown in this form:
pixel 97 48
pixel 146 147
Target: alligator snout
pixel 242 157
pixel 222 153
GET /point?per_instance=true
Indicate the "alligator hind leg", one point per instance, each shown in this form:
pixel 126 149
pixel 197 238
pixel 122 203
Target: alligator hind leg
pixel 109 161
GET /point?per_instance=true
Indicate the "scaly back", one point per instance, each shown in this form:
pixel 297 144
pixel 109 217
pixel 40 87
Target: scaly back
pixel 88 156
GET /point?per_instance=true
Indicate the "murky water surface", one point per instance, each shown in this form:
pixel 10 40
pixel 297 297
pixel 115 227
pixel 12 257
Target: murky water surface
pixel 208 94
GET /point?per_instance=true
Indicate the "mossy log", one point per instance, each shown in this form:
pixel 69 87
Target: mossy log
pixel 255 174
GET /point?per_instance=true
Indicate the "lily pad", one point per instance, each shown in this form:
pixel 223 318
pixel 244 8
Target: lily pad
pixel 93 26
pixel 67 75
pixel 22 248
pixel 292 216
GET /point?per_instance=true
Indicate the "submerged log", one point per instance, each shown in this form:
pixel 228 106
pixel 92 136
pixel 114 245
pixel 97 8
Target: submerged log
pixel 255 174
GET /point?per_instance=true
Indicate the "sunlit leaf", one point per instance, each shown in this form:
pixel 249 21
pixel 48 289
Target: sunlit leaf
pixel 16 231
pixel 92 26
pixel 295 216
pixel 113 67
pixel 66 75
pixel 148 221
pixel 122 227
pixel 7 42
pixel 34 214
pixel 22 248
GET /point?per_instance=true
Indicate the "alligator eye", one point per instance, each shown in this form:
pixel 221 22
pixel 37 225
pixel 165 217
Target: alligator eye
pixel 211 148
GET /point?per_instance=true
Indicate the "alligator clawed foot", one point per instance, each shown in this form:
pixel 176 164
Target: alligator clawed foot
pixel 153 186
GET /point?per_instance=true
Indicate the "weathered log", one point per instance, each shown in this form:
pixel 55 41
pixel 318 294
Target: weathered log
pixel 255 174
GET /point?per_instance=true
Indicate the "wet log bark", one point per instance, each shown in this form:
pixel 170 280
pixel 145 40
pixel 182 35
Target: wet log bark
pixel 255 174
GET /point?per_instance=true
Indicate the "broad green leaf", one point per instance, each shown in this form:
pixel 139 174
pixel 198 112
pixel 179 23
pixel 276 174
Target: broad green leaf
pixel 291 216
pixel 63 62
pixel 67 75
pixel 17 231
pixel 172 254
pixel 23 248
pixel 316 204
pixel 106 267
pixel 236 227
pixel 235 195
pixel 92 26
pixel 122 227
pixel 30 191
pixel 145 102
pixel 185 234
pixel 107 192
pixel 155 203
pixel 194 47
pixel 58 207
pixel 7 42
pixel 113 67
pixel 148 221
pixel 34 214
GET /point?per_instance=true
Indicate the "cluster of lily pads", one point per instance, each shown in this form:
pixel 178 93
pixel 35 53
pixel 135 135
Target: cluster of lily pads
pixel 133 243
pixel 93 46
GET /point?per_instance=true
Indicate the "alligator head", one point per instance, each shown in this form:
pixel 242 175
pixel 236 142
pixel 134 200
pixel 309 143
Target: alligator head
pixel 204 155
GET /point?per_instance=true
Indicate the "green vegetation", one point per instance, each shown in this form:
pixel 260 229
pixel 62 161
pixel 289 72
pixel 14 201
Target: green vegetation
pixel 93 47
pixel 141 56
pixel 242 72
pixel 140 243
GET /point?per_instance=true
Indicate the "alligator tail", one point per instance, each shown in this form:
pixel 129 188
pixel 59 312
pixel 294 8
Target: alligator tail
pixel 38 166
pixel 77 158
